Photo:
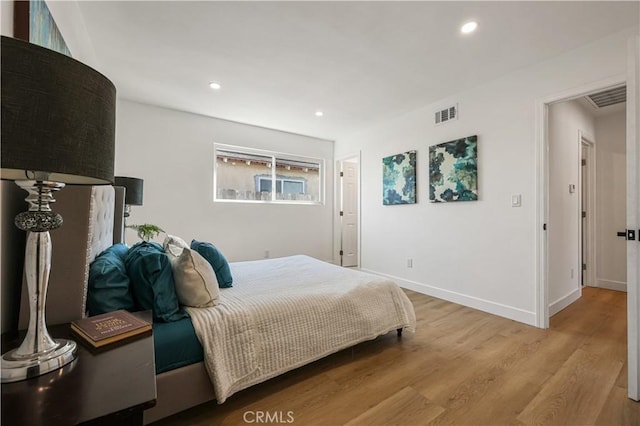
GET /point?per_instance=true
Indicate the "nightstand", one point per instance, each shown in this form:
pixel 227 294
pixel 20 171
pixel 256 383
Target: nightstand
pixel 110 387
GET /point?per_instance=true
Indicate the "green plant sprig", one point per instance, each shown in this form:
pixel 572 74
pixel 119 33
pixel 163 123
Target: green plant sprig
pixel 146 231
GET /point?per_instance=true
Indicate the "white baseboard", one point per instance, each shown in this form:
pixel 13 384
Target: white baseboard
pixel 494 308
pixel 563 302
pixel 612 285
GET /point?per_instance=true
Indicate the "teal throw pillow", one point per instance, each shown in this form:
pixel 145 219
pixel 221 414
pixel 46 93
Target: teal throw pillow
pixel 109 285
pixel 119 249
pixel 217 261
pixel 152 282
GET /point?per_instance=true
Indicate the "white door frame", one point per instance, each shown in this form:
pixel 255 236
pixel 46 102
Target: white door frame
pixel 633 216
pixel 337 232
pixel 542 185
pixel 589 142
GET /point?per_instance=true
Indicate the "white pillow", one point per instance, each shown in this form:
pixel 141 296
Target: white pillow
pixel 177 243
pixel 196 283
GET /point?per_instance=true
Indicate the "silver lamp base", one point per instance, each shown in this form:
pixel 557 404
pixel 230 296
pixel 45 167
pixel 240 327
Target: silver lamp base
pixel 16 367
pixel 39 353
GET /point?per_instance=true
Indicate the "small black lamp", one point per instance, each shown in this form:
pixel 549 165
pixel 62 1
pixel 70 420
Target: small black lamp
pixel 133 195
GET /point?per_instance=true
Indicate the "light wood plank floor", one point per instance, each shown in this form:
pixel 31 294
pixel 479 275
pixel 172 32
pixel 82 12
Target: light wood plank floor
pixel 461 367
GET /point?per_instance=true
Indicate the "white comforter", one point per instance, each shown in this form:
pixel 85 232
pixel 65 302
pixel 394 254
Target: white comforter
pixel 283 313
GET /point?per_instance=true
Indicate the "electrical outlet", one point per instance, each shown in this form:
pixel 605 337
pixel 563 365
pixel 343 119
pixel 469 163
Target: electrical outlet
pixel 409 263
pixel 572 272
pixel 266 254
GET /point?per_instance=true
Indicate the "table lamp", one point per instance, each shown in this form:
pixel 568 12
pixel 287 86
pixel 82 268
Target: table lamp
pixel 58 127
pixel 133 193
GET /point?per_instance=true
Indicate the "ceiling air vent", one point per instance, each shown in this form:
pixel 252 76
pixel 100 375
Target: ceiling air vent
pixel 608 97
pixel 447 114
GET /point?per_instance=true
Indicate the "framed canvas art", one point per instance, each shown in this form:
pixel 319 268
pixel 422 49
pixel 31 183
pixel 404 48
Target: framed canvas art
pixel 399 179
pixel 34 23
pixel 453 170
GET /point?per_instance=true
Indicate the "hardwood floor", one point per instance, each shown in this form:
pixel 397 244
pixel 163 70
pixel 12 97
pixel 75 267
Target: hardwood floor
pixel 461 367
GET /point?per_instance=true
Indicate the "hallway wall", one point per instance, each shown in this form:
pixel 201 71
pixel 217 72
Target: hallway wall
pixel 567 120
pixel 611 187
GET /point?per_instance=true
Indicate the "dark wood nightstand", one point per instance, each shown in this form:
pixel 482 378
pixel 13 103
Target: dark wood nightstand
pixel 110 387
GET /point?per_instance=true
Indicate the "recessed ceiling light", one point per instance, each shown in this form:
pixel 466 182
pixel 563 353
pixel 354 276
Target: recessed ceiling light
pixel 469 27
pixel 319 113
pixel 214 85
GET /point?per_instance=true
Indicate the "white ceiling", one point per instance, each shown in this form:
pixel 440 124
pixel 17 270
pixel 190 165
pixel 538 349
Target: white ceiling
pixel 359 62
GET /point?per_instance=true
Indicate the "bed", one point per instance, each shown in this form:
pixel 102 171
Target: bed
pixel 279 314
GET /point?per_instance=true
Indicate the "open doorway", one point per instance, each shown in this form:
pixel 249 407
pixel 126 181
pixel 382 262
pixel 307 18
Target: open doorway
pixel 632 180
pixel 587 162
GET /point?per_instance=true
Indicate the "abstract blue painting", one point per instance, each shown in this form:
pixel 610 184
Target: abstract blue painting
pixel 453 170
pixel 43 30
pixel 399 179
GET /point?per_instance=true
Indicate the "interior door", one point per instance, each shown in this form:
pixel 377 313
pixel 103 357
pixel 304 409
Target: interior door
pixel 585 196
pixel 349 218
pixel 633 216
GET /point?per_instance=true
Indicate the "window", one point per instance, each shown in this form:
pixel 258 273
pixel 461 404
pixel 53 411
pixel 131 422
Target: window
pixel 283 185
pixel 250 175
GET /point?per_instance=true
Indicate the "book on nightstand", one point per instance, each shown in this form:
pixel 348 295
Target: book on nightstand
pixel 105 329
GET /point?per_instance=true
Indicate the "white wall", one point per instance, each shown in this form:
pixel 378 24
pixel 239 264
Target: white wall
pixel 611 200
pixel 566 121
pixel 70 22
pixel 482 254
pixel 173 152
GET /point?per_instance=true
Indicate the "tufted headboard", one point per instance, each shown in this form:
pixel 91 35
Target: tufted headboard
pixel 93 221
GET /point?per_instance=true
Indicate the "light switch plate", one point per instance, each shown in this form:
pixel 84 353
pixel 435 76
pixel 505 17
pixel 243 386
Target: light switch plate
pixel 516 200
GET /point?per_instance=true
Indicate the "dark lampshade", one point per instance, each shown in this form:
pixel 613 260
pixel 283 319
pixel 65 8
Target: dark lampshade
pixel 134 186
pixel 58 116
